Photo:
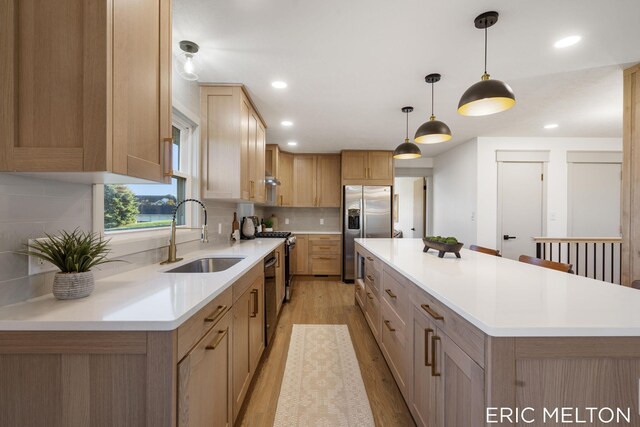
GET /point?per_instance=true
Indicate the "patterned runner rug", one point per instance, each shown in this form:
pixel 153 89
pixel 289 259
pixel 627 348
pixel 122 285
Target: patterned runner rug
pixel 322 384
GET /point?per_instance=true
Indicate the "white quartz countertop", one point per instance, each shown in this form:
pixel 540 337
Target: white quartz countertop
pixel 145 299
pixel 506 298
pixel 316 232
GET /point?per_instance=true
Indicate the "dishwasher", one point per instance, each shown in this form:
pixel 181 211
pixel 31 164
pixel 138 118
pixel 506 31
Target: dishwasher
pixel 270 300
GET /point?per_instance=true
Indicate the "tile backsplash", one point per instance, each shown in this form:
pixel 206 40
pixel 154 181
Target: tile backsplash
pixel 305 219
pixel 29 208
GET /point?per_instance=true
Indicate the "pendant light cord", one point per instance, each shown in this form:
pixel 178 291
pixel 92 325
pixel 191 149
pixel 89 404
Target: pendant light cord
pixel 407 134
pixel 432 99
pixel 485 50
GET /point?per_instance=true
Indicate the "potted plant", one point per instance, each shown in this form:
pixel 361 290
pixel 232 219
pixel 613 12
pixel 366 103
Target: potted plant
pixel 74 254
pixel 442 245
pixel 268 224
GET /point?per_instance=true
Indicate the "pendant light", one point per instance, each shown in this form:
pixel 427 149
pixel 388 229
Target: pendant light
pixel 433 131
pixel 188 68
pixel 487 96
pixel 407 150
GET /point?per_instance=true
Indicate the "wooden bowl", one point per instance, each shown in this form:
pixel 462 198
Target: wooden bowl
pixel 442 248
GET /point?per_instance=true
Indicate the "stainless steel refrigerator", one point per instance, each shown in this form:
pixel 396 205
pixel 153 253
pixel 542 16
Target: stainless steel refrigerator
pixel 367 213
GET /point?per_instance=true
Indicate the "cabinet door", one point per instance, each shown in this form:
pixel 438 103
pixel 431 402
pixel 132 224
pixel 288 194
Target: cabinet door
pixel 261 139
pixel 301 264
pixel 381 165
pixel 241 377
pixel 141 87
pixel 280 285
pixel 245 114
pixel 285 169
pixel 328 181
pixel 461 393
pixel 204 397
pixel 354 165
pixel 424 406
pixel 256 322
pixel 304 181
pixel 253 155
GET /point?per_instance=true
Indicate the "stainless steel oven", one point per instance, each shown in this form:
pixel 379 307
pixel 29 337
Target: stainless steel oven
pixel 270 302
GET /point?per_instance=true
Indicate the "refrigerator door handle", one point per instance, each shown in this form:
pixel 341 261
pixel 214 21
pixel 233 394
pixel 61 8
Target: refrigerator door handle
pixel 363 217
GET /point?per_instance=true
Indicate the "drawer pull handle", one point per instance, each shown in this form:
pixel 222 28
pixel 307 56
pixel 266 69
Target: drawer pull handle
pixel 434 353
pixel 391 294
pixel 369 258
pixel 217 315
pixel 432 312
pixel 324 247
pixel 370 277
pixel 325 257
pixel 388 324
pixel 369 295
pixel 221 335
pixel 427 332
pixel 254 292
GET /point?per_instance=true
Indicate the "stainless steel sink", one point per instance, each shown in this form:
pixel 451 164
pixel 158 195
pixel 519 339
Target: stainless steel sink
pixel 206 265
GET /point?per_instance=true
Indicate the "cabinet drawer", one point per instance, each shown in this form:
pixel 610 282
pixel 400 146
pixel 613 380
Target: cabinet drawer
pixel 242 284
pixel 395 290
pixel 360 296
pixel 393 341
pixel 197 326
pixel 371 285
pixel 324 237
pixel 372 264
pixel 320 247
pixel 463 333
pixel 372 314
pixel 325 264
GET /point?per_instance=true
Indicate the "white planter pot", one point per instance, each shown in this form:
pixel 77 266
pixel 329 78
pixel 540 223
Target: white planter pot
pixel 73 285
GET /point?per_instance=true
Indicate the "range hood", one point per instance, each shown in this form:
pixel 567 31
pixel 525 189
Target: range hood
pixel 269 179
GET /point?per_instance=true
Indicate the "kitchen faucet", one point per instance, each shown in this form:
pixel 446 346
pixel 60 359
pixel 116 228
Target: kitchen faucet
pixel 204 237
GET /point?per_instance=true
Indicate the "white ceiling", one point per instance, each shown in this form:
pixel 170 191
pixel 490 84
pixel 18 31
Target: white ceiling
pixel 352 64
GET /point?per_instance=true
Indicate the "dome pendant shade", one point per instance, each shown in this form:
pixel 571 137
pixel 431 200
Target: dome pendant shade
pixel 407 150
pixel 486 97
pixel 433 132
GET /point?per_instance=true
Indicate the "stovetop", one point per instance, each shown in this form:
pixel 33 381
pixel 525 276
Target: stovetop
pixel 274 234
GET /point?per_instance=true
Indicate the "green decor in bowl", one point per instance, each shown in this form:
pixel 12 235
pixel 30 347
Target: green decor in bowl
pixel 442 245
pixel 74 254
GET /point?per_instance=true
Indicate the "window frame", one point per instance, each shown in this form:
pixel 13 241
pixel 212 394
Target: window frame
pixel 189 145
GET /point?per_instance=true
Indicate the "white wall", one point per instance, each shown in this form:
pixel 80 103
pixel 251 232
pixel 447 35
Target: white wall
pixel 404 187
pixel 455 192
pixel 556 179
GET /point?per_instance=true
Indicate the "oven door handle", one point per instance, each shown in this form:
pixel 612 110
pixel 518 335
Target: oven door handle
pixel 270 262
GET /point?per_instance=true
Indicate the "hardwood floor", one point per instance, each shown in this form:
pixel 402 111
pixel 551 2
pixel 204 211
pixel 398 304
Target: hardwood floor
pixel 324 302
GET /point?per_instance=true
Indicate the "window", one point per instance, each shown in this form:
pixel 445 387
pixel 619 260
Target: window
pixel 146 206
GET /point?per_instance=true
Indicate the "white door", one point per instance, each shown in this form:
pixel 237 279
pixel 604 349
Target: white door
pixel 520 192
pixel 594 199
pixel 410 209
pixel 418 208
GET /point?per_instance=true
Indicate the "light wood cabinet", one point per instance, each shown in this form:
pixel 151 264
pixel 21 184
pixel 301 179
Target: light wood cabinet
pixel 233 139
pixel 317 254
pixel 427 411
pixel 631 177
pixel 204 386
pixel 89 91
pixel 304 180
pixel 285 171
pixel 316 181
pixel 367 168
pixel 300 258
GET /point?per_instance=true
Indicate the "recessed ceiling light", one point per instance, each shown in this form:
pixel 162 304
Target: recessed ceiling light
pixel 286 123
pixel 567 41
pixel 292 143
pixel 279 84
pixel 551 126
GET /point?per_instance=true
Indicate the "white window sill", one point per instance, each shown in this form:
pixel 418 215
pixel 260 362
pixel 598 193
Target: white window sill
pixel 131 242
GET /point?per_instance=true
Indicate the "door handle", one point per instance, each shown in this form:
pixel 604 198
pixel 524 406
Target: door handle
pixel 434 356
pixel 254 313
pixel 507 237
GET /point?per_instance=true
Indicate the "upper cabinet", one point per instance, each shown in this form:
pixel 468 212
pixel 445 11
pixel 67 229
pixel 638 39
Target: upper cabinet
pixel 316 180
pixel 367 167
pixel 86 87
pixel 233 140
pixel 285 175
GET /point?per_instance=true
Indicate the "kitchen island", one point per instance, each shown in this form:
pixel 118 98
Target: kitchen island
pixel 148 348
pixel 476 340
